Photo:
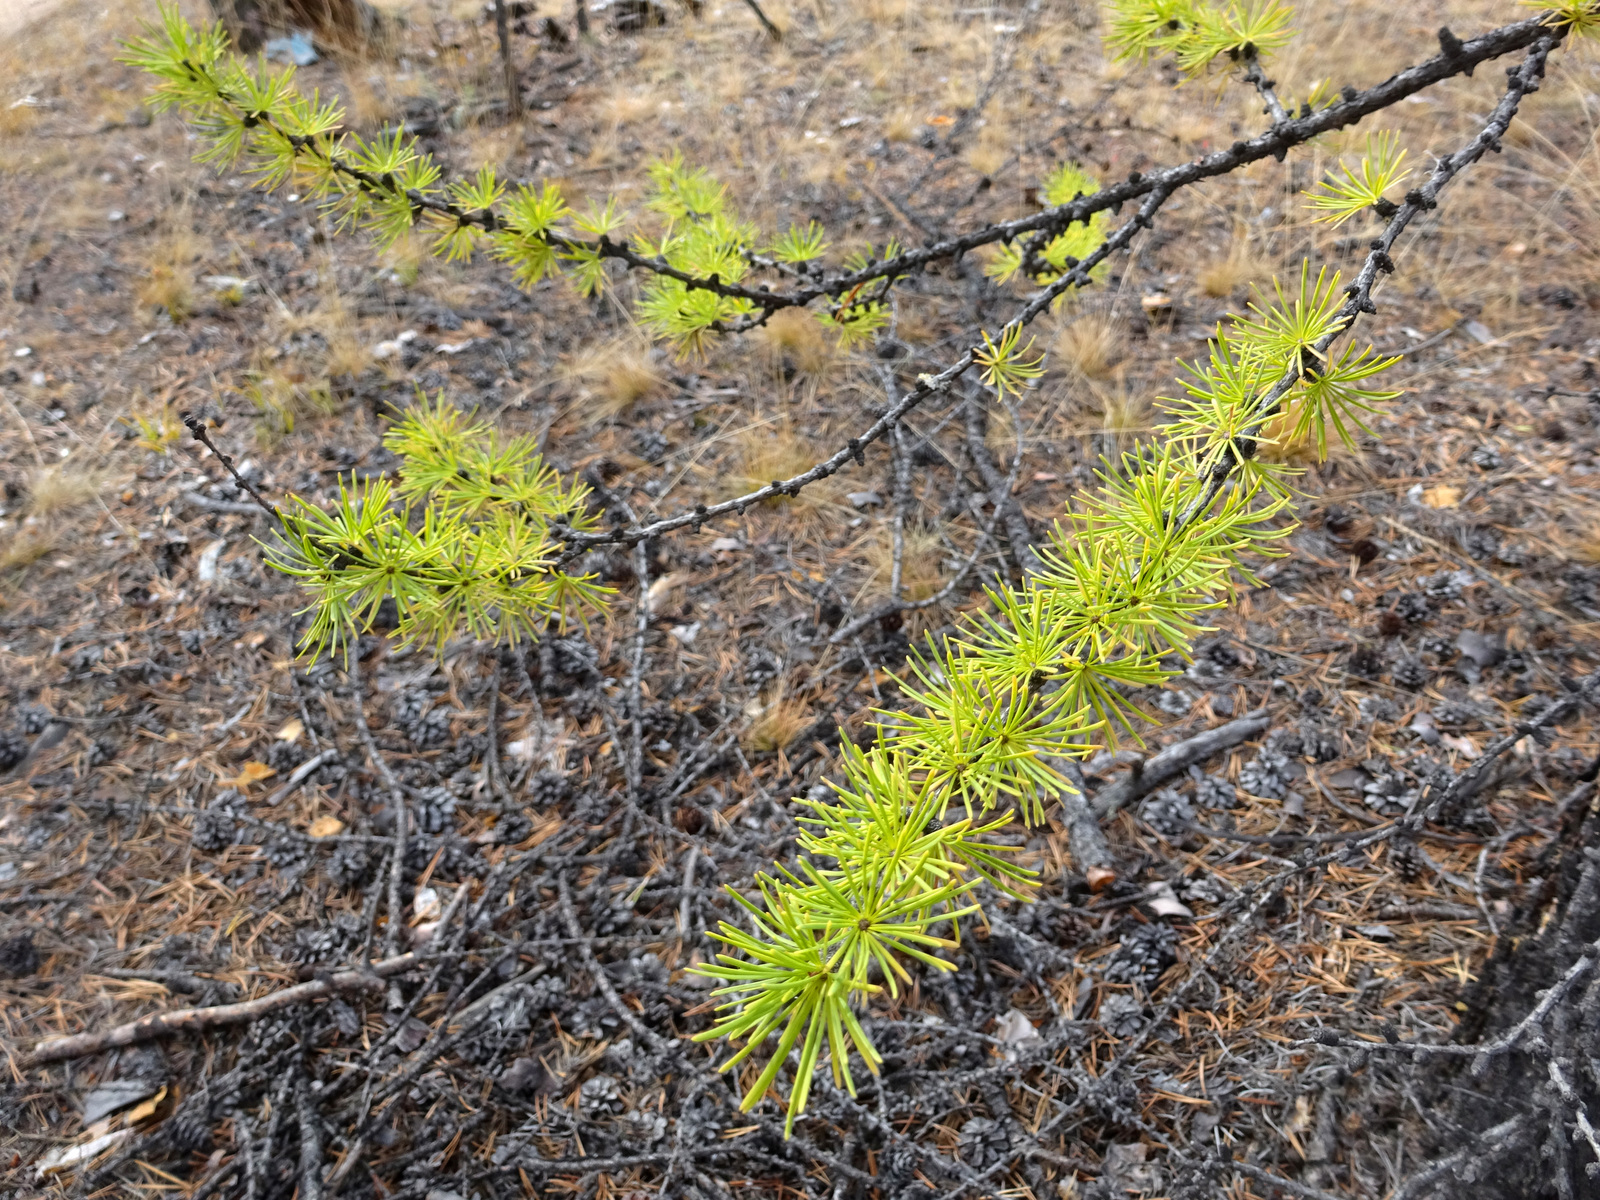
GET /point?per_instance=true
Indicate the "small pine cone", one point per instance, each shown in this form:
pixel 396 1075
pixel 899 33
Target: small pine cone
pixel 1405 860
pixel 1410 672
pixel 549 788
pixel 348 865
pixel 13 749
pixel 213 831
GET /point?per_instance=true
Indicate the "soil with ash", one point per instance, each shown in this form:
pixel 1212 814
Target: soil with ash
pixel 166 841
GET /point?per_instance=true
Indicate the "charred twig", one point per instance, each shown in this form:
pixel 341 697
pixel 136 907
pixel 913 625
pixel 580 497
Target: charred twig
pixel 402 818
pixel 195 1020
pixel 1482 1148
pixel 635 759
pixel 855 625
pixel 900 487
pixel 299 775
pixel 508 62
pixel 1145 777
pixel 197 428
pixel 1255 76
pixel 1019 534
pixel 773 31
pixel 310 1139
pixel 602 981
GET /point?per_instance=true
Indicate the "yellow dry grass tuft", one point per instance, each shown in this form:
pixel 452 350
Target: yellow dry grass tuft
pixel 778 722
pixel 348 353
pixel 16 116
pixel 766 454
pixel 921 561
pixel 1123 415
pixel 614 376
pixel 169 271
pixel 990 153
pixel 368 105
pixel 901 126
pixel 56 489
pixel 1240 266
pixel 1091 345
pixel 795 342
pixel 24 547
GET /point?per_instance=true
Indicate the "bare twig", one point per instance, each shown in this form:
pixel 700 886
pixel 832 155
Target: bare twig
pixel 197 427
pixel 310 1139
pixel 196 1020
pixel 927 386
pixel 299 776
pixel 1176 759
pixel 507 62
pixel 402 818
pixel 773 31
pixel 603 981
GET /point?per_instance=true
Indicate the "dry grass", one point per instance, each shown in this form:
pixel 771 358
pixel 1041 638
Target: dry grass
pixel 1091 346
pixel 368 104
pixel 57 489
pixel 778 721
pixel 283 394
pixel 1001 434
pixel 16 118
pixel 1241 265
pixel 795 343
pixel 764 454
pixel 921 561
pixel 1586 548
pixel 901 126
pixel 24 547
pixel 992 149
pixel 170 271
pixel 349 353
pixel 1124 415
pixel 614 376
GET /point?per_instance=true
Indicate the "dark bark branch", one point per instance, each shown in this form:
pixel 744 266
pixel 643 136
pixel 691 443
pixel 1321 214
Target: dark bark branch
pixel 773 31
pixel 198 1020
pixel 507 62
pixel 1039 227
pixel 1176 759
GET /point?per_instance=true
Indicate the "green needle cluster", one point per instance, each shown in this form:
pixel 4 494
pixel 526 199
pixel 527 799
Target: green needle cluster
pixel 1043 671
pixel 1341 196
pixel 1063 251
pixel 464 542
pixel 1195 33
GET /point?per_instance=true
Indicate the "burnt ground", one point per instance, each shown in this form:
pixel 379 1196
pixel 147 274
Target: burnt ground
pixel 161 846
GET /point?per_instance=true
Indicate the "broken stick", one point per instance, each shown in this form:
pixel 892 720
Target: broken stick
pixel 196 1020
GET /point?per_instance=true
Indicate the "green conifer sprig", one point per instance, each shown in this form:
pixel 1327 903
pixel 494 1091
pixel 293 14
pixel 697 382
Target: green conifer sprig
pixel 1582 17
pixel 1128 577
pixel 1194 32
pixel 1046 256
pixel 465 542
pixel 697 258
pixel 1340 197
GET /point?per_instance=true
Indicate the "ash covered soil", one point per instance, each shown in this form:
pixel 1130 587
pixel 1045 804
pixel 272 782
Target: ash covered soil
pixel 193 815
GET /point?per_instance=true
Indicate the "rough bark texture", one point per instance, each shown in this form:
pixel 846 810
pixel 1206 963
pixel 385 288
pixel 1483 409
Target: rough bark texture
pixel 1557 925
